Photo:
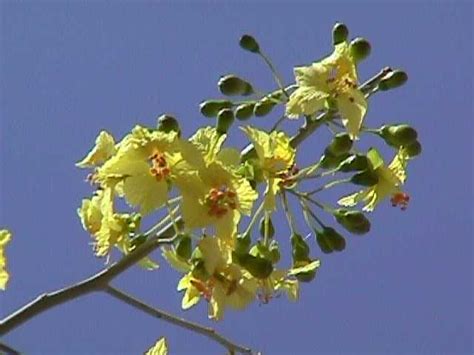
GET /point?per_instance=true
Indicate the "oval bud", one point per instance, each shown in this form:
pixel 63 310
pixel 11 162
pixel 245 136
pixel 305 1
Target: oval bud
pixel 259 267
pixel 299 248
pixel 353 221
pixel 393 80
pixel 184 247
pixel 225 118
pixel 233 85
pixel 360 49
pixel 263 108
pixel 210 108
pixel 365 178
pixel 245 111
pixel 249 43
pixel 340 144
pixel 307 276
pixel 413 149
pixel 340 32
pixel 323 243
pixel 168 123
pixel 337 241
pixel 398 135
pixel 271 229
pixel 329 160
pixel 356 162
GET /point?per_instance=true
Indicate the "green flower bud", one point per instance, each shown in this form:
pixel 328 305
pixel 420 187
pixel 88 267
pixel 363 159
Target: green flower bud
pixel 225 118
pixel 340 144
pixel 413 149
pixel 299 248
pixel 167 123
pixel 233 85
pixel 354 221
pixel 356 162
pixel 263 107
pixel 329 160
pixel 360 49
pixel 340 32
pixel 249 43
pixel 243 242
pixel 271 229
pixel 210 108
pixel 274 252
pixel 244 111
pixel 323 243
pixel 307 276
pixel 399 135
pixel 365 178
pixel 184 247
pixel 259 267
pixel 393 80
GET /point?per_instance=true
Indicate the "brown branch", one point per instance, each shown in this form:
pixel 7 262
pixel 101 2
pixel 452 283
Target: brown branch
pixel 7 350
pixel 94 283
pixel 180 322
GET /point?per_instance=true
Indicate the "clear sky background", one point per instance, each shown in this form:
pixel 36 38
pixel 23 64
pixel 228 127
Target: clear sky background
pixel 69 69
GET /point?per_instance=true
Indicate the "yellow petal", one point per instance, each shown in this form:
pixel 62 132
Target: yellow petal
pixel 160 348
pixel 353 107
pixel 399 165
pixel 104 148
pixel 145 191
pixel 305 101
pixel 5 237
pixel 352 200
pixel 173 259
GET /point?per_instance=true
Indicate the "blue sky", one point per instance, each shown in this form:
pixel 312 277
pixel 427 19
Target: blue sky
pixel 69 69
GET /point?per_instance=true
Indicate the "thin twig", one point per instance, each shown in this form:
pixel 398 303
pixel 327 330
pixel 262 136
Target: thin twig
pixel 180 322
pixel 94 283
pixel 5 349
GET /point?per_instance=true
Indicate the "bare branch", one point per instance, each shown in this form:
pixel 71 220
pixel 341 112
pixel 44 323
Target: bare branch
pixel 180 322
pixel 7 350
pixel 94 283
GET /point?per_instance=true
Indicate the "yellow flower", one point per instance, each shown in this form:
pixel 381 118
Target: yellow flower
pixel 226 287
pixel 144 164
pixel 108 229
pixel 275 157
pixel 215 196
pixel 332 79
pixel 390 179
pixel 279 280
pixel 213 193
pixel 104 149
pixel 5 237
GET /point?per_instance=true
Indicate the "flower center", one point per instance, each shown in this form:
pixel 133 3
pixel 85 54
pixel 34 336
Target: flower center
pixel 288 177
pixel 220 200
pixel 159 166
pixel 340 81
pixel 400 199
pixel 204 288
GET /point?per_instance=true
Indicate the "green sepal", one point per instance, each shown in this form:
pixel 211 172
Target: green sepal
pixel 340 144
pixel 356 162
pixel 183 246
pixel 258 266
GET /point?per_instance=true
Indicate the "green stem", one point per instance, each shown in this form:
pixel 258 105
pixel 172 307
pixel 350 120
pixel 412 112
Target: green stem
pixel 274 73
pixel 289 216
pixel 254 218
pixel 328 185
